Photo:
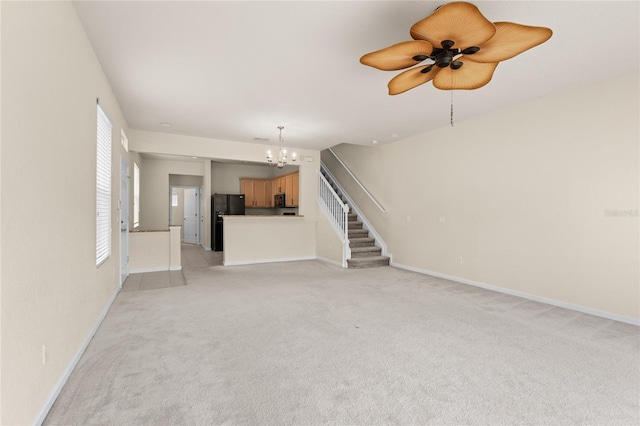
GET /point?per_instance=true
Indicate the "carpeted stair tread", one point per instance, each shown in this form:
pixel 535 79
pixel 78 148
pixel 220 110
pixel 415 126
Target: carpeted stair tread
pixel 363 232
pixel 354 224
pixel 368 251
pixel 361 242
pixel 364 249
pixel 368 262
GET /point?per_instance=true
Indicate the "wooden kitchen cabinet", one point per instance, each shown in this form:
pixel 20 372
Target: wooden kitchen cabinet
pixel 261 192
pixel 269 193
pixel 290 186
pixel 288 191
pixel 257 192
pixel 246 188
pixel 295 194
pixel 279 185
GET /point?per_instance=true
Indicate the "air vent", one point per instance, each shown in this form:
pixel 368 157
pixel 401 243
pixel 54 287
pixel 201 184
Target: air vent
pixel 261 139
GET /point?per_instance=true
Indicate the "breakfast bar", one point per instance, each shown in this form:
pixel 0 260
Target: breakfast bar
pixel 266 238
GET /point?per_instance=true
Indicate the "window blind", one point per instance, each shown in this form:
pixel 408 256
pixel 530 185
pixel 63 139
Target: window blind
pixel 103 189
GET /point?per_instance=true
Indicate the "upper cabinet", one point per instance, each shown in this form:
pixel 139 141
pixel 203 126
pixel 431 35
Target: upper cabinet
pixel 292 185
pixel 295 193
pixel 257 192
pixel 261 192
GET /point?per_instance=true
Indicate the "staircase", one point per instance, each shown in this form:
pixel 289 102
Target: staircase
pixel 364 252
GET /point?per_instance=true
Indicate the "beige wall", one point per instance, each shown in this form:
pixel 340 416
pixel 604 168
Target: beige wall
pixel 329 248
pixel 225 178
pixel 154 188
pixel 258 239
pixel 185 180
pixel 524 194
pixel 213 149
pixel 155 251
pixel 52 293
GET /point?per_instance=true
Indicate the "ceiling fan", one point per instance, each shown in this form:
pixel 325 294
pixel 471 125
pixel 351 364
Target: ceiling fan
pixel 460 47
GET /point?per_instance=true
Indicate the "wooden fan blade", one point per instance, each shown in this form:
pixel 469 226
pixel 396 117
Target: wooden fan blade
pixel 410 79
pixel 398 56
pixel 472 75
pixel 510 40
pixel 461 22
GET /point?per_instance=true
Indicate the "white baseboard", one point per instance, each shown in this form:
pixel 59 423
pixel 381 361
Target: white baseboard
pixel 74 361
pixel 578 308
pixel 175 268
pixel 152 269
pixel 332 262
pixel 252 262
pixel 205 247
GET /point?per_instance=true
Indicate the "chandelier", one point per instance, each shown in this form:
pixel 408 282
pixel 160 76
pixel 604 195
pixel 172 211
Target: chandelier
pixel 281 161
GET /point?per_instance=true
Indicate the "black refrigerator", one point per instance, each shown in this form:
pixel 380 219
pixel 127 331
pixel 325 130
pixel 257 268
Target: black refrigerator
pixel 223 204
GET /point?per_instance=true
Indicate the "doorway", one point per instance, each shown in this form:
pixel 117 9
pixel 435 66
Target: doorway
pixel 124 221
pixel 185 212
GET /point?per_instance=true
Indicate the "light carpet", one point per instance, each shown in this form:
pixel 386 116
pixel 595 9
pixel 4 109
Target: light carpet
pixel 307 343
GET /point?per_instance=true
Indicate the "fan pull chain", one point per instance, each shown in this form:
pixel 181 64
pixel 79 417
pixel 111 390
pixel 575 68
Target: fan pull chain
pixel 451 114
pixel 452 108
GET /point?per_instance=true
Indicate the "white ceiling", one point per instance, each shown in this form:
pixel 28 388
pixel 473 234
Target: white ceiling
pixel 235 70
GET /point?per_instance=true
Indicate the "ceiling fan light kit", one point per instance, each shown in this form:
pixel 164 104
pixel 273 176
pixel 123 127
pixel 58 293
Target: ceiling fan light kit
pixel 462 49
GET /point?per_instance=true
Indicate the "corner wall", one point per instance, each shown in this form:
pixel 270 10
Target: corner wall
pixel 541 198
pixel 52 293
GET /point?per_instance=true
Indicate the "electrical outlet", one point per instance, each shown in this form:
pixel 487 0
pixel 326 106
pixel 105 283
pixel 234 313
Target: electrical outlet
pixel 460 260
pixel 442 219
pixel 152 252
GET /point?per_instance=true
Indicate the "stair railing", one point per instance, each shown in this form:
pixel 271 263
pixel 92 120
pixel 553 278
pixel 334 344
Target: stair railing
pixel 337 212
pixel 353 208
pixel 382 209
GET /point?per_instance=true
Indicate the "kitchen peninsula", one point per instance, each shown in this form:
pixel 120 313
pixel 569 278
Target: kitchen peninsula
pixel 266 238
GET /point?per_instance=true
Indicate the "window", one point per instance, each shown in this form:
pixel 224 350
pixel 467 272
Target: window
pixel 136 196
pixel 174 199
pixel 103 189
pixel 124 140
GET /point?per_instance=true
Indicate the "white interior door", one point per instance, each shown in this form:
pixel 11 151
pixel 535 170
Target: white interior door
pixel 124 221
pixel 191 219
pixel 201 227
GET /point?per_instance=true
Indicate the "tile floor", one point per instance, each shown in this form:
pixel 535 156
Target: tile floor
pixel 193 256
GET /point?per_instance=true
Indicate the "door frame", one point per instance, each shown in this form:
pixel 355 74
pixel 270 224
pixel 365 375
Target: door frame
pixel 123 207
